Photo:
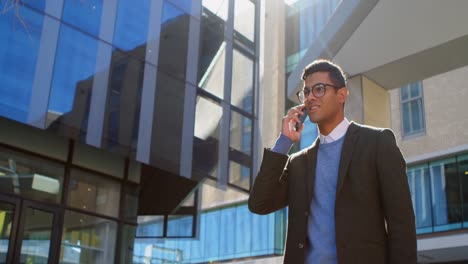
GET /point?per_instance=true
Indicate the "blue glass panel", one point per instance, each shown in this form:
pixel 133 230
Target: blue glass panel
pixel 85 15
pixel 227 230
pixel 243 244
pixel 150 226
pixel 420 187
pixel 19 45
pixel 197 249
pixel 463 172
pixel 404 93
pixel 226 233
pixel 73 78
pixel 131 28
pixel 179 226
pixel 446 203
pixel 261 235
pixel 37 4
pixel 174 41
pixel 406 115
pixel 184 5
pixel 416 115
pixel 212 235
pixel 415 89
pixel 123 106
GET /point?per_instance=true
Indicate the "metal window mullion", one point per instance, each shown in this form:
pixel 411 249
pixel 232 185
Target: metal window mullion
pixel 42 83
pixel 260 10
pixel 256 92
pixel 148 93
pixel 101 77
pixel 223 151
pixel 190 96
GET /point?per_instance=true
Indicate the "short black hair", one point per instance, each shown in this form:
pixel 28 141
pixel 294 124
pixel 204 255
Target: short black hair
pixel 335 72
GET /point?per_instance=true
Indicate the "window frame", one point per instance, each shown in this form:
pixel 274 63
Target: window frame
pixel 412 133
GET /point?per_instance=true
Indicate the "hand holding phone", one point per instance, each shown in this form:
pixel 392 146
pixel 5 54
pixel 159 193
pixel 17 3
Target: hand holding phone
pixel 302 118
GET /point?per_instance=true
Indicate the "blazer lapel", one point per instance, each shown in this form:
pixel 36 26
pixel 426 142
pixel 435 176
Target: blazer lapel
pixel 346 154
pixel 310 168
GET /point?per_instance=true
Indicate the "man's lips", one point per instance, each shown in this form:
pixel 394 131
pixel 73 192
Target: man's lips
pixel 313 107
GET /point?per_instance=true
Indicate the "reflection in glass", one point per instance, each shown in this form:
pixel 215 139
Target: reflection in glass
pixel 420 187
pixel 244 18
pixel 180 226
pixel 93 193
pixel 30 177
pixel 128 239
pixel 131 27
pixel 445 195
pixel 167 122
pixel 130 203
pixel 39 5
pixel 242 81
pixel 241 133
pixel 205 150
pixel 7 212
pixel 19 46
pixel 150 226
pixel 87 239
pixel 174 29
pixel 225 233
pixel 463 172
pixel 217 8
pixel 212 54
pixel 239 175
pixel 121 119
pixel 85 15
pixel 72 82
pixel 304 22
pixel 36 236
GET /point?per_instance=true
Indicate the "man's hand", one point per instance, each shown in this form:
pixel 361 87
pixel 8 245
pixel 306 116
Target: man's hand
pixel 289 123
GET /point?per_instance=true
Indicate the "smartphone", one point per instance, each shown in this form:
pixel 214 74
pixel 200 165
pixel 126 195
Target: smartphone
pixel 302 118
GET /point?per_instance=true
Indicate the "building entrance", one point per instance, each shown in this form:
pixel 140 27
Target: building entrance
pixel 27 231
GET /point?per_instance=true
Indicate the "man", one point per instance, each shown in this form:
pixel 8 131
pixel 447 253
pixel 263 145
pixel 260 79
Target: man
pixel 348 195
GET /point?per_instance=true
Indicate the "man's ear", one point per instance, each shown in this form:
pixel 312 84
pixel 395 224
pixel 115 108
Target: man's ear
pixel 343 94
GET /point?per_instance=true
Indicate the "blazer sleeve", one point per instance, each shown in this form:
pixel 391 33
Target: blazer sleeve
pixel 270 190
pixel 396 201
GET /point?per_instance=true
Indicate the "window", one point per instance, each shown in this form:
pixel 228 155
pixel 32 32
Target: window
pixel 412 109
pixel 439 194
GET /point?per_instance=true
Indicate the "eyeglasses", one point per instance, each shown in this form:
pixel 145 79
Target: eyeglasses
pixel 318 90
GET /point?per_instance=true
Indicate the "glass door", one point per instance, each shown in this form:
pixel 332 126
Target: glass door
pixel 27 232
pixel 35 234
pixel 7 224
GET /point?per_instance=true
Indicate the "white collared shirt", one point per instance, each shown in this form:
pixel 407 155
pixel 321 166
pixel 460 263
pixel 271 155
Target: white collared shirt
pixel 338 132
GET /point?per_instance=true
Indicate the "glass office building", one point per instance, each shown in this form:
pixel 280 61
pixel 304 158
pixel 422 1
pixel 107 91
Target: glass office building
pixel 114 114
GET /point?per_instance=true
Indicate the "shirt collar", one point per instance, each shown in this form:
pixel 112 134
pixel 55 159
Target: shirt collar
pixel 338 132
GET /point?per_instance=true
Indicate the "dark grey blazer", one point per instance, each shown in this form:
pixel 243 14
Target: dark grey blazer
pixel 374 217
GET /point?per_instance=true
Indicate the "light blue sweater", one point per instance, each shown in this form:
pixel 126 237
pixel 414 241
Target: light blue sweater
pixel 321 223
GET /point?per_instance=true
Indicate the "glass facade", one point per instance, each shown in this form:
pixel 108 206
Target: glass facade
pixel 439 191
pixel 225 233
pixel 115 84
pixel 304 21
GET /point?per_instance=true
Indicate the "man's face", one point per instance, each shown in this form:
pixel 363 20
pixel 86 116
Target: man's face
pixel 328 108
